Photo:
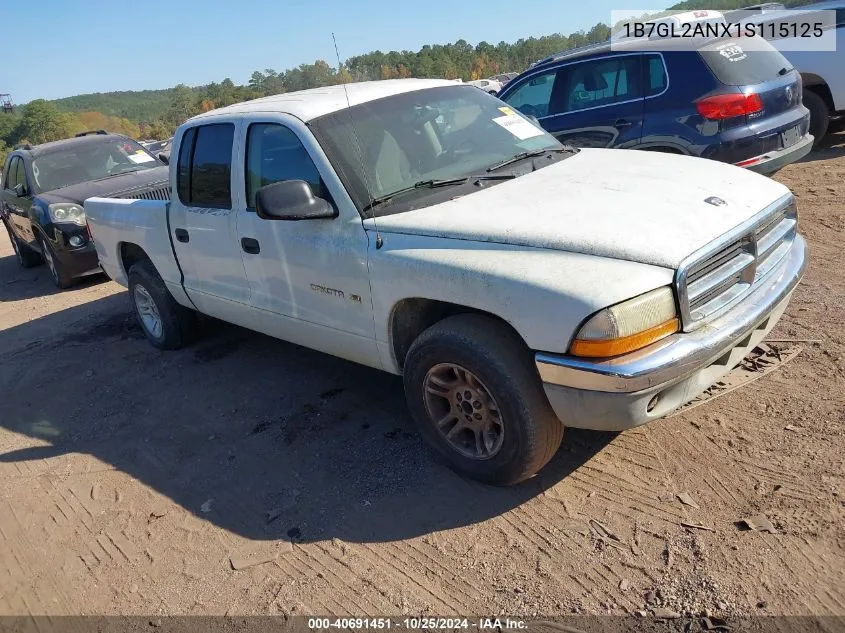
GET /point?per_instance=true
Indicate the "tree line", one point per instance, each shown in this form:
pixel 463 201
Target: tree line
pixel 155 114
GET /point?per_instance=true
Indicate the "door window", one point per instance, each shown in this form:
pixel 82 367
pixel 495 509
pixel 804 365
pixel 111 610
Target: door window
pixel 597 83
pixel 13 173
pixel 532 97
pixel 204 177
pixel 274 154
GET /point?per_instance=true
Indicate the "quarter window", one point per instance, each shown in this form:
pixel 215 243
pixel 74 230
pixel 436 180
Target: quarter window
pixel 657 80
pixel 205 166
pixel 274 154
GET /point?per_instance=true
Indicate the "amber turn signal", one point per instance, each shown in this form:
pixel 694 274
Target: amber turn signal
pixel 617 346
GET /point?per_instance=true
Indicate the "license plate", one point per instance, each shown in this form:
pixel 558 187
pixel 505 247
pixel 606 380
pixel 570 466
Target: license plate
pixel 790 136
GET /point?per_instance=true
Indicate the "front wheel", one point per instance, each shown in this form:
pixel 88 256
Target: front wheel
pixel 58 274
pixel 474 393
pixel 166 324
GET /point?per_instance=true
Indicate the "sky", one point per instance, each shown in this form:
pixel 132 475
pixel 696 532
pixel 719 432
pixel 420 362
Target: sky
pixel 76 47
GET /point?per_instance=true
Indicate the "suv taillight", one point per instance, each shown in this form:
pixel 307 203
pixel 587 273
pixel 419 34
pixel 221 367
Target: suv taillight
pixel 720 107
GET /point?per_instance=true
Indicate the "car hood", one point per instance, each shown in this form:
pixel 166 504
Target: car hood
pixel 638 206
pixel 108 187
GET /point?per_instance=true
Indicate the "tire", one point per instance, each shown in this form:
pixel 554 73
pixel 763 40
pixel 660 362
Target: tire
pixel 836 125
pixel 819 115
pixel 27 258
pixel 58 274
pixel 152 301
pixel 504 390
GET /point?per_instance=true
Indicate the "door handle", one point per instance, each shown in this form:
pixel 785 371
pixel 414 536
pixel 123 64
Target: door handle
pixel 182 235
pixel 250 245
pixel 623 123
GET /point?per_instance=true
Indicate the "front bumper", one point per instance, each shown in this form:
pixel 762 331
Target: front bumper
pixel 75 261
pixel 627 391
pixel 79 262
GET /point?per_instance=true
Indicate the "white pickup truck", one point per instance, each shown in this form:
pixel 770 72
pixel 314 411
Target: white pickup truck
pixel 422 227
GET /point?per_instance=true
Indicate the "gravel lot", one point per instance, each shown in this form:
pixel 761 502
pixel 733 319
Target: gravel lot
pixel 132 481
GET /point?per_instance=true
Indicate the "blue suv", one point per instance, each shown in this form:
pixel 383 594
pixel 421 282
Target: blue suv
pixel 720 101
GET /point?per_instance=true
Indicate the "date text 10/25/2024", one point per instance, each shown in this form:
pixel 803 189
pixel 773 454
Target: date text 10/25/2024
pixel 413 624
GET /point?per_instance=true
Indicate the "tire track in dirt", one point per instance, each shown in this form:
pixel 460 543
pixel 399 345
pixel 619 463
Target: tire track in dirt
pixel 383 603
pixel 439 568
pixel 347 582
pixel 410 577
pixel 18 546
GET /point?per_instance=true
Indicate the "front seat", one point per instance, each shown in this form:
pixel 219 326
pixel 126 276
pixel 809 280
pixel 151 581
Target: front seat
pixel 392 168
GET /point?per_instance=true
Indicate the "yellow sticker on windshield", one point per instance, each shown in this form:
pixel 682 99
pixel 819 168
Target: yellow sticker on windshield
pixel 507 111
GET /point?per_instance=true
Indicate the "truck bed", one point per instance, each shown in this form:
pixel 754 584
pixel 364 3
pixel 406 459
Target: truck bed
pixel 115 222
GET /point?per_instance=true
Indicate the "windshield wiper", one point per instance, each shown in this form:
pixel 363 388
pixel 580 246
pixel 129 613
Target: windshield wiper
pixel 433 184
pixel 535 154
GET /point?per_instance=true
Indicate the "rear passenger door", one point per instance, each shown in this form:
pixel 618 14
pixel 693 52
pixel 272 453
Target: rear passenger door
pixel 203 223
pixel 596 102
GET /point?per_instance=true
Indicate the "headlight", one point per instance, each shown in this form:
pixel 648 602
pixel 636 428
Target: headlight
pixel 628 326
pixel 67 212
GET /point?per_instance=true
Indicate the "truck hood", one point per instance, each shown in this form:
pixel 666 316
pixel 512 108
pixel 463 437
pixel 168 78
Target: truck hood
pixel 108 187
pixel 638 206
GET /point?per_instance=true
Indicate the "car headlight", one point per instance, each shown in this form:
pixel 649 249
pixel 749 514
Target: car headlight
pixel 67 212
pixel 628 326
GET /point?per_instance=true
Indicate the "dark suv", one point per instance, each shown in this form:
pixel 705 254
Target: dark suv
pixel 44 188
pixel 721 101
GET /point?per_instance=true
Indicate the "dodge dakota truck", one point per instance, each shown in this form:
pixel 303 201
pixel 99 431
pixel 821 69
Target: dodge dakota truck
pixel 422 227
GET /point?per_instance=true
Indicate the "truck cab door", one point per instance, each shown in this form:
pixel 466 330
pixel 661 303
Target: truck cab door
pixel 203 223
pixel 309 280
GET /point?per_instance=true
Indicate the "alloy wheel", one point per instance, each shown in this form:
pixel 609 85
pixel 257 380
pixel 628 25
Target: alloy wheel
pixel 463 411
pixel 48 257
pixel 147 310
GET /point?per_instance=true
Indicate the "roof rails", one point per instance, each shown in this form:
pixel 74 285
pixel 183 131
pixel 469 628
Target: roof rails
pixel 91 132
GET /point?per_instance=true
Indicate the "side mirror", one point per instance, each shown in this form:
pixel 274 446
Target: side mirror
pixel 20 190
pixel 164 158
pixel 291 200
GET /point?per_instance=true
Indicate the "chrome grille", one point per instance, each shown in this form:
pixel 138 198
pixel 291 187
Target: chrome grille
pixel 718 276
pixel 161 193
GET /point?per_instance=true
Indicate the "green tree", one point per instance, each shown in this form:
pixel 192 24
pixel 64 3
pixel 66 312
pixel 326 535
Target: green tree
pixel 42 121
pixel 185 104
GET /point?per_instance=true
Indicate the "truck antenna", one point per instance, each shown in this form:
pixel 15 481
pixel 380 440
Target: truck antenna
pixel 357 140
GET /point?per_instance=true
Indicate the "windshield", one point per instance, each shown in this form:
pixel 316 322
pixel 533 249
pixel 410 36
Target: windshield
pixel 390 144
pixel 89 161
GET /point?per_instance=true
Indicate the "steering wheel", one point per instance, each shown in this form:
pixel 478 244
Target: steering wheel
pixel 528 110
pixel 464 147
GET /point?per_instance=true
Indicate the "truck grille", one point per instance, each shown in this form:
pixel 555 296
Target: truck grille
pixel 161 193
pixel 718 276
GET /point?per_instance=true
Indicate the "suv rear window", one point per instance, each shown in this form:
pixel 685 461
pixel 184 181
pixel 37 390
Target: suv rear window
pixel 733 65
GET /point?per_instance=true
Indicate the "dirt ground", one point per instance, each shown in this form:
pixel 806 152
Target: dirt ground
pixel 132 480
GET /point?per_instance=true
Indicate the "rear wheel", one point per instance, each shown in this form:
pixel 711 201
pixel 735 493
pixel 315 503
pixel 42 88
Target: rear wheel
pixel 166 324
pixel 58 273
pixel 837 125
pixel 819 115
pixel 27 258
pixel 474 393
